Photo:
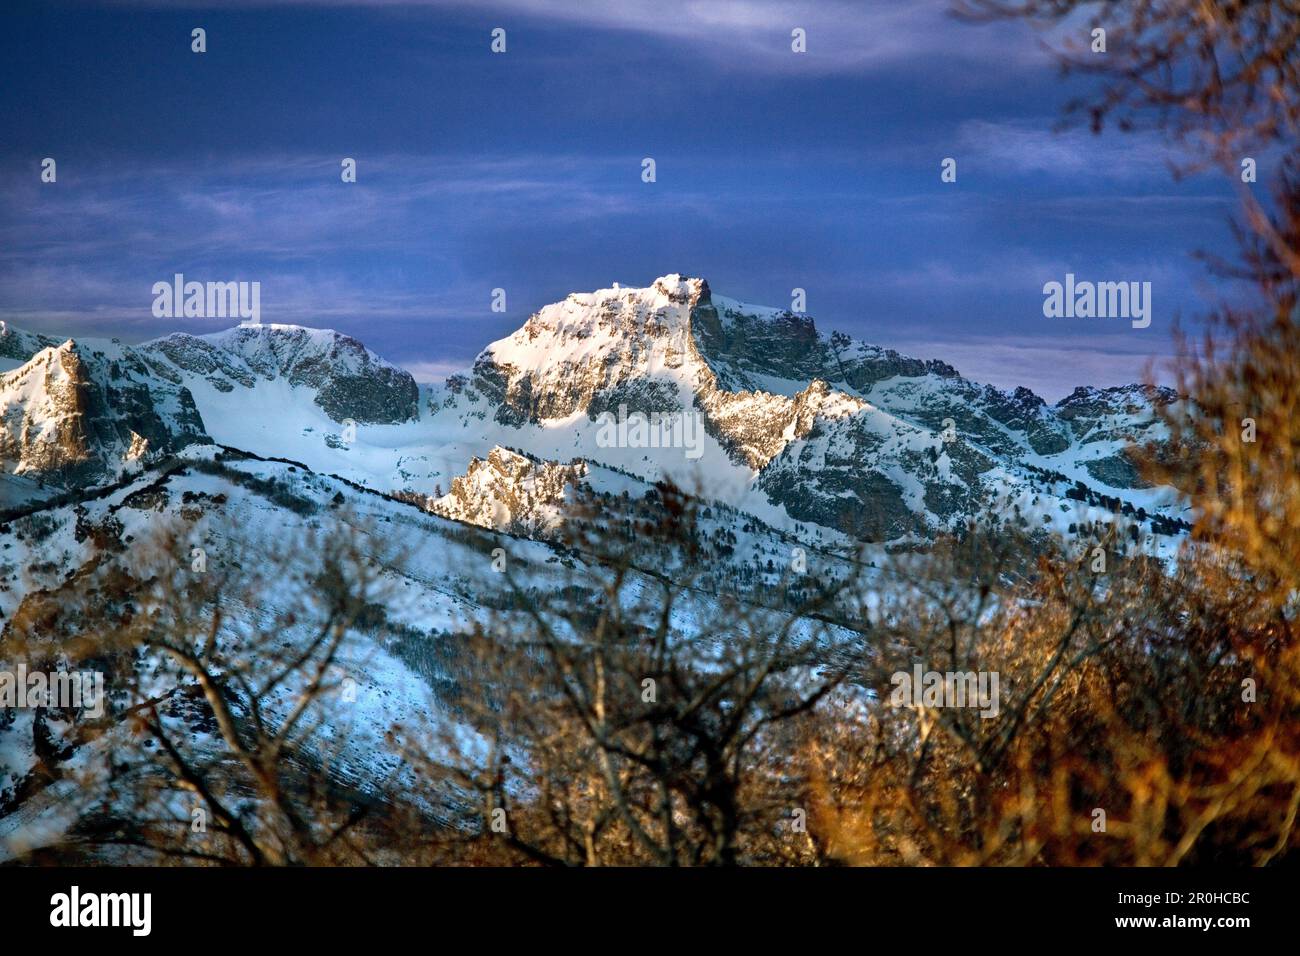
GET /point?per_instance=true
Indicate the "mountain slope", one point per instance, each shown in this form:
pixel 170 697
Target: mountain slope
pixel 346 380
pixel 78 414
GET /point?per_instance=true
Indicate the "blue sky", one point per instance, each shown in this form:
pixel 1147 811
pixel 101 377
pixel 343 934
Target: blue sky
pixel 775 170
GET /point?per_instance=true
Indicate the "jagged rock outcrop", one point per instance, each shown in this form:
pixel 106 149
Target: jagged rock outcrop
pixel 756 426
pixel 510 492
pixel 74 415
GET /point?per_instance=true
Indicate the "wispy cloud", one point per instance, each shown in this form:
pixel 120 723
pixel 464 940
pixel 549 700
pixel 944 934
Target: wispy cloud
pixel 290 207
pixel 435 370
pixel 842 35
pixel 1023 146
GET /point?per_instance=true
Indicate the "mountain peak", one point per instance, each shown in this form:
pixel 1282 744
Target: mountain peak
pixel 349 381
pixel 675 287
pixel 73 414
pixel 664 295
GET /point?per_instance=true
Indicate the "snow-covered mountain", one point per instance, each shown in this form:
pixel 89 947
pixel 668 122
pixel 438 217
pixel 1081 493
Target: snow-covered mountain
pixel 799 443
pixel 344 379
pixel 80 414
pixel 823 437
